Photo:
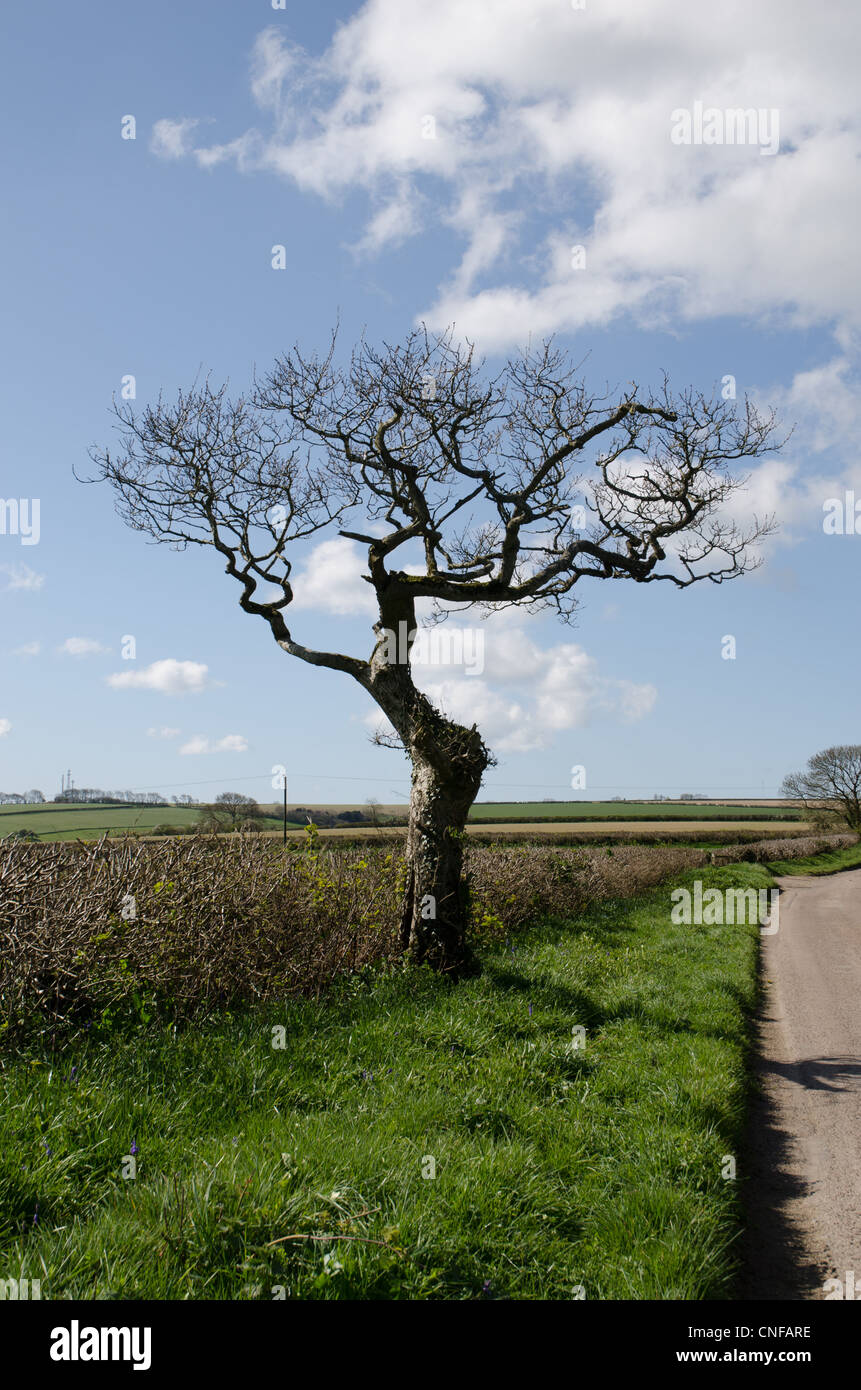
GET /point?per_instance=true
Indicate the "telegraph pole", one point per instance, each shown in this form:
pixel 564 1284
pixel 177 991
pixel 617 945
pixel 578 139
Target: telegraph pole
pixel 279 780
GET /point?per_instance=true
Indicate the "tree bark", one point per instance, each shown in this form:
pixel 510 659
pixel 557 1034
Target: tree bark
pixel 448 761
pixel 436 901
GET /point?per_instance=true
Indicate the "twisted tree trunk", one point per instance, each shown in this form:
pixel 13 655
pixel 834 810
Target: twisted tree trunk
pixel 436 902
pixel 448 761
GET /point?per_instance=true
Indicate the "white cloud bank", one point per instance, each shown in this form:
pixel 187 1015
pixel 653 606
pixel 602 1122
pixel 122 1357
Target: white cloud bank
pixel 521 695
pixel 527 695
pixel 471 116
pixel 526 129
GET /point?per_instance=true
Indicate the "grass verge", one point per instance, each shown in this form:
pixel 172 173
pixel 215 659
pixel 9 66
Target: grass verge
pixel 303 1170
pixel 831 862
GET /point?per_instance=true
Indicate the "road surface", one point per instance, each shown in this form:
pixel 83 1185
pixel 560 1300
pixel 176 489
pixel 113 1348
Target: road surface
pixel 804 1192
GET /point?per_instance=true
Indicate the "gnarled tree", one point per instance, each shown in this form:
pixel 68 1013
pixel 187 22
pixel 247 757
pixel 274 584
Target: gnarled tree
pixel 830 784
pixel 414 452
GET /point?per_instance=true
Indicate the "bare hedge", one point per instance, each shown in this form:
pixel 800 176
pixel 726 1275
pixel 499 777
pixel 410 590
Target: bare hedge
pixel 187 925
pixel 771 851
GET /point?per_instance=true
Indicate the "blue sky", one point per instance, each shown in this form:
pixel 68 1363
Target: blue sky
pixel 302 126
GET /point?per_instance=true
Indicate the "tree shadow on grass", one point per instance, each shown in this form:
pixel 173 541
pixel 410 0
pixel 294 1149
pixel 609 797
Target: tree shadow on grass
pixel 545 993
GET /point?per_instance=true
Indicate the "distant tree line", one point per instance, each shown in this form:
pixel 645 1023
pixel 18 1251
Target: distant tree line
pixel 233 811
pixel 31 798
pixel 128 798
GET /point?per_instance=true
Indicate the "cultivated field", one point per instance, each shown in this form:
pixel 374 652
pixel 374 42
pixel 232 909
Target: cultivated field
pixel 540 830
pixel 54 821
pixel 61 822
pixel 628 810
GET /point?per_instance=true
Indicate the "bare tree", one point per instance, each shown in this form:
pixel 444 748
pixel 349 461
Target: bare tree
pixel 414 452
pixel 231 811
pixel 831 782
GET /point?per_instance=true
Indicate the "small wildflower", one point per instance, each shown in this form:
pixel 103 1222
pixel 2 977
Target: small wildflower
pixel 134 1147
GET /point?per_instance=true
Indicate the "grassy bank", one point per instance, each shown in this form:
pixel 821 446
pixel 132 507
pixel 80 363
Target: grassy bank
pixel 832 862
pixel 304 1169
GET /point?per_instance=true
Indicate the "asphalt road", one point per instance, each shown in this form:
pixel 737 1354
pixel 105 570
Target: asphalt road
pixel 804 1153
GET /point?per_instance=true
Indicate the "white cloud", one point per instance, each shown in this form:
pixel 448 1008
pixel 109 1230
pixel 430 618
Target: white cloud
pixel 163 732
pixel 519 693
pixel 397 219
pixel 198 744
pixel 171 139
pixel 824 403
pixel 22 577
pixel 331 580
pixel 168 677
pixel 527 695
pixel 271 61
pixel 28 649
pixel 568 113
pixel 231 743
pixel 81 646
pixel 243 150
pixel 5 727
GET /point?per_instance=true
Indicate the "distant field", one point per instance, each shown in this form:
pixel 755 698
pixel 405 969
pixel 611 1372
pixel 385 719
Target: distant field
pixel 628 810
pixel 643 826
pixel 59 822
pixel 525 829
pixel 53 822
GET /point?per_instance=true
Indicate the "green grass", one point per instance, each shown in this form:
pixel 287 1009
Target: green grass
pixel 78 822
pixel 53 821
pixel 555 1167
pixel 59 822
pixel 832 862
